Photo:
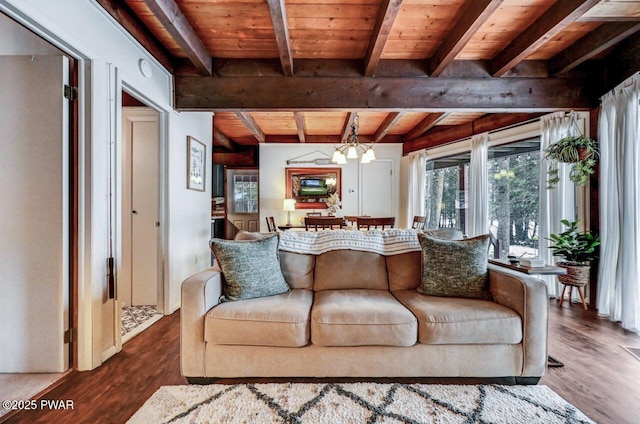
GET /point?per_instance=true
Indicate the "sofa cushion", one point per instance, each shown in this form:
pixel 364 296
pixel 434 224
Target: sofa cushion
pixel 456 268
pixel 450 320
pixel 281 320
pixel 361 317
pixel 297 269
pixel 405 271
pixel 251 267
pixel 350 269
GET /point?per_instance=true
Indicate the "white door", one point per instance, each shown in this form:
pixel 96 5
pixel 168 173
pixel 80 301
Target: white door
pixel 377 188
pixel 34 214
pixel 138 276
pixel 243 211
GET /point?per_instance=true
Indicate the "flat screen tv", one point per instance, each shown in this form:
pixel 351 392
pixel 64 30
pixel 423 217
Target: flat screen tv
pixel 313 186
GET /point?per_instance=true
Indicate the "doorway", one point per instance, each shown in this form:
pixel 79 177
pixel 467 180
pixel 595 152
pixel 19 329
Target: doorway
pixel 243 210
pixel 139 282
pixel 377 197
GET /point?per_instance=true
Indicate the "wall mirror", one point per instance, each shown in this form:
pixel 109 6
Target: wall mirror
pixel 310 187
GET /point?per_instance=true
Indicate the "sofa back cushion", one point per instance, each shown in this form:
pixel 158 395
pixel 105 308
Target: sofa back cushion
pixel 297 269
pixel 350 269
pixel 405 271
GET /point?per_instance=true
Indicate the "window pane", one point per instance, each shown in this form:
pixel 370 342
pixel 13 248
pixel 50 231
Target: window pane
pixel 513 171
pixel 445 202
pixel 245 193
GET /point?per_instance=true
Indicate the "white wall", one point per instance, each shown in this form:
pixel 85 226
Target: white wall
pixel 273 159
pixel 109 57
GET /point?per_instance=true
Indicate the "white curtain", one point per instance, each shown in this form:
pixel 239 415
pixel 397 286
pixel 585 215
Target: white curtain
pixel 416 191
pixel 619 272
pixel 478 187
pixel 557 203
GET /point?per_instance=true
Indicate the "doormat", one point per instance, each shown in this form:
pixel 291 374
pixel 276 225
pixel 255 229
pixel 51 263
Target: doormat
pixel 634 351
pixel 318 403
pixel 134 316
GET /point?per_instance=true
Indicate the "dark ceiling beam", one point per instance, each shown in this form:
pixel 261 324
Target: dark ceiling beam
pixel 252 125
pixel 346 129
pixel 425 125
pixel 626 64
pixel 279 21
pixel 222 140
pixel 302 128
pixel 176 24
pixel 591 45
pixel 387 14
pixel 392 94
pixel 130 22
pixel 469 20
pixel 559 16
pixel 388 123
pixel 325 139
pixel 450 134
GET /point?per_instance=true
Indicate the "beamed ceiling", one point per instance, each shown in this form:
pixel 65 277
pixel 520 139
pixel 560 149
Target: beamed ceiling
pixel 417 72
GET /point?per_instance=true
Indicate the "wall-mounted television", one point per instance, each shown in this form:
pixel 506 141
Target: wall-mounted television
pixel 313 186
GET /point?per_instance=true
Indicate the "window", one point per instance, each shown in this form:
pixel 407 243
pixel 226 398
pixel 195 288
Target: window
pixel 445 202
pixel 245 194
pixel 513 173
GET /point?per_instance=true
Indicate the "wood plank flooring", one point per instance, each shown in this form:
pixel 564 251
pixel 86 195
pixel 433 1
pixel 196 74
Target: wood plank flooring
pixel 599 377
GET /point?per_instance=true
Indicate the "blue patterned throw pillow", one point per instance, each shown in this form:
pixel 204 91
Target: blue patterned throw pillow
pixel 251 268
pixel 455 268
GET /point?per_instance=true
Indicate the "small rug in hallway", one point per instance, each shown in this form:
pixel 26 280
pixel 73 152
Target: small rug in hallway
pixel 134 316
pixel 357 403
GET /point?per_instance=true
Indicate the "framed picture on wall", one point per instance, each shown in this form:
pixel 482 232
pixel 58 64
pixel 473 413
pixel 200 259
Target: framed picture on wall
pixel 196 164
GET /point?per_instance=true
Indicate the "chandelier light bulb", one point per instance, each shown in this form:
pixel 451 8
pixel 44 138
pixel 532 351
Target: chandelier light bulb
pixel 352 153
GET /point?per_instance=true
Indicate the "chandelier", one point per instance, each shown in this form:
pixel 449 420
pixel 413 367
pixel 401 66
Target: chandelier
pixel 351 146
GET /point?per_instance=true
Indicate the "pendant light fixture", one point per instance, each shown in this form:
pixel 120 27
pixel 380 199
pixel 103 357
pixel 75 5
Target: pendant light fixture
pixel 352 146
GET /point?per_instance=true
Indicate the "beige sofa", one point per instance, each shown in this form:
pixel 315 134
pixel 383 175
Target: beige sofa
pixel 357 314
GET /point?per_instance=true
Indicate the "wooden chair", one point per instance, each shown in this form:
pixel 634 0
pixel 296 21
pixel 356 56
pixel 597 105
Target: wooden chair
pixel 419 222
pixel 322 222
pixel 271 224
pixel 369 223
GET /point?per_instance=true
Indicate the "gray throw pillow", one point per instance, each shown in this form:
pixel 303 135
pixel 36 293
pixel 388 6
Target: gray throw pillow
pixel 251 268
pixel 455 268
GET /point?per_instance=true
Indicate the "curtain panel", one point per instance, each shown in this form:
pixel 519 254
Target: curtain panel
pixel 478 186
pixel 557 203
pixel 416 185
pixel 619 272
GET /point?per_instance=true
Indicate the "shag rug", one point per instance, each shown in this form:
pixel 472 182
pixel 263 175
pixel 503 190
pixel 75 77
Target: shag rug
pixel 357 403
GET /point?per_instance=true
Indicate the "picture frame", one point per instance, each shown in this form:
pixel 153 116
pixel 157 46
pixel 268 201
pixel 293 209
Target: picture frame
pixel 310 187
pixel 196 164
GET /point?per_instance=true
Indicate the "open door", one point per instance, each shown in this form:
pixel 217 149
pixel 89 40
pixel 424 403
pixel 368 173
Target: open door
pixel 34 214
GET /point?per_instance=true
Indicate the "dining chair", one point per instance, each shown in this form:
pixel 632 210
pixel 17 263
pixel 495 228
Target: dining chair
pixel 322 223
pixel 271 224
pixel 419 222
pixel 365 223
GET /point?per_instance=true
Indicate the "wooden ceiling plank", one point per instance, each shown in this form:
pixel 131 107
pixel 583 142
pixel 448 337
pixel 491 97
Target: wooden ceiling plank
pixel 458 132
pixel 425 125
pixel 302 130
pixel 470 20
pixel 125 17
pixel 490 95
pixel 387 15
pixel 224 141
pixel 560 15
pixel 252 125
pixel 346 129
pixel 170 16
pixel 591 45
pixel 279 19
pixel 388 123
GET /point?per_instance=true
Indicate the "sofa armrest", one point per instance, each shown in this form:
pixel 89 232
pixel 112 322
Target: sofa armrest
pixel 200 292
pixel 527 296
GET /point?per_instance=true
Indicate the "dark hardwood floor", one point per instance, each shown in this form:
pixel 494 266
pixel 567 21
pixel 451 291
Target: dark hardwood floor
pixel 599 377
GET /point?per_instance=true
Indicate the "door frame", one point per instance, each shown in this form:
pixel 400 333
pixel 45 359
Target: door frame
pixel 121 85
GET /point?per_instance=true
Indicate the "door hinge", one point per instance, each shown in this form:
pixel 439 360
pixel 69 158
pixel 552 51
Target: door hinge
pixel 70 93
pixel 71 335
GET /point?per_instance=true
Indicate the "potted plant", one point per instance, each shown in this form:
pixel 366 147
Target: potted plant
pixel 579 150
pixel 576 248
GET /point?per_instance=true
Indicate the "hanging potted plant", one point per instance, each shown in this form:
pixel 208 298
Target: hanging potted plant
pixel 579 150
pixel 576 248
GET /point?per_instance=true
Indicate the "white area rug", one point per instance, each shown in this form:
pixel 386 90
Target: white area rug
pixel 357 403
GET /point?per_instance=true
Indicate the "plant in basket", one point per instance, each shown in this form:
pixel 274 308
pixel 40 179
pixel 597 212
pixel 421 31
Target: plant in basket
pixel 577 248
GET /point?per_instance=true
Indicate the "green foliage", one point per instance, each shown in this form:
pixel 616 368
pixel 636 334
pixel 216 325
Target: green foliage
pixel 576 247
pixel 579 150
